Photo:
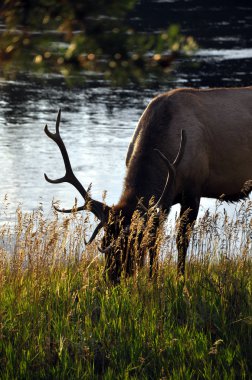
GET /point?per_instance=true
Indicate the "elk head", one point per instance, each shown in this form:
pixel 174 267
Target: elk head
pixel 122 243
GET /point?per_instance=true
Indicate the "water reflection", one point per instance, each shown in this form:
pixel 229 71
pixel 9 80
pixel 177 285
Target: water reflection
pixel 223 54
pixel 96 126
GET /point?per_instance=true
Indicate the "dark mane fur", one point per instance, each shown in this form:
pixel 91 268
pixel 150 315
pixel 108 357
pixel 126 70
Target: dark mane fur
pixel 146 172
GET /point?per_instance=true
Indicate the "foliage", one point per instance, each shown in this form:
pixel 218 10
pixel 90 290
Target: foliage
pixel 59 318
pixel 90 36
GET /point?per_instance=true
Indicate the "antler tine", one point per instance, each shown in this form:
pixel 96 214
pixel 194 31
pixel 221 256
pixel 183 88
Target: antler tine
pixel 58 122
pixel 179 154
pixel 70 210
pixel 59 180
pixel 142 206
pixel 181 148
pixel 95 206
pixel 171 167
pixel 94 234
pixel 69 176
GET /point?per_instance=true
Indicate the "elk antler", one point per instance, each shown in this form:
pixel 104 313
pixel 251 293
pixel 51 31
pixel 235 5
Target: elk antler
pixel 99 209
pixel 171 168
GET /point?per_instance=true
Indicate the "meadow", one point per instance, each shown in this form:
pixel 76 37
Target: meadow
pixel 61 319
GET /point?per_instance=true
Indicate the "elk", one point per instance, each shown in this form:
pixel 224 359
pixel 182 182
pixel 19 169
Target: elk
pixel 189 143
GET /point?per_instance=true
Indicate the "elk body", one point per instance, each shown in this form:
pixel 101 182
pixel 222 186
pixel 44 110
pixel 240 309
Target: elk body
pixel 188 144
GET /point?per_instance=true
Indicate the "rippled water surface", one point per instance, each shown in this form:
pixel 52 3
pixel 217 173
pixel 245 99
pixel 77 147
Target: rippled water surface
pixel 97 120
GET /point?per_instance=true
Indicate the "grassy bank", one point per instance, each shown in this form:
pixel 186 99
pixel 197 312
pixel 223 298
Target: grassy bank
pixel 59 319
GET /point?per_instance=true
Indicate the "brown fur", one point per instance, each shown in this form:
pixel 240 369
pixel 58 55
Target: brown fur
pixel 218 155
pixel 215 162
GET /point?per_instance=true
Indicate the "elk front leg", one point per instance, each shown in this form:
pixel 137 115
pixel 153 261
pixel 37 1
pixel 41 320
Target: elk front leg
pixel 188 215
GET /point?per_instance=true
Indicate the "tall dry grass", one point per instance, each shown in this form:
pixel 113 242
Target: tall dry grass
pixel 60 319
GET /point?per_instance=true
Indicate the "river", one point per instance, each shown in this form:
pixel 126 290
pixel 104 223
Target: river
pixel 98 120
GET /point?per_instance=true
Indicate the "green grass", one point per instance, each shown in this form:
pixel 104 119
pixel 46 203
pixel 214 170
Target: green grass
pixel 59 318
